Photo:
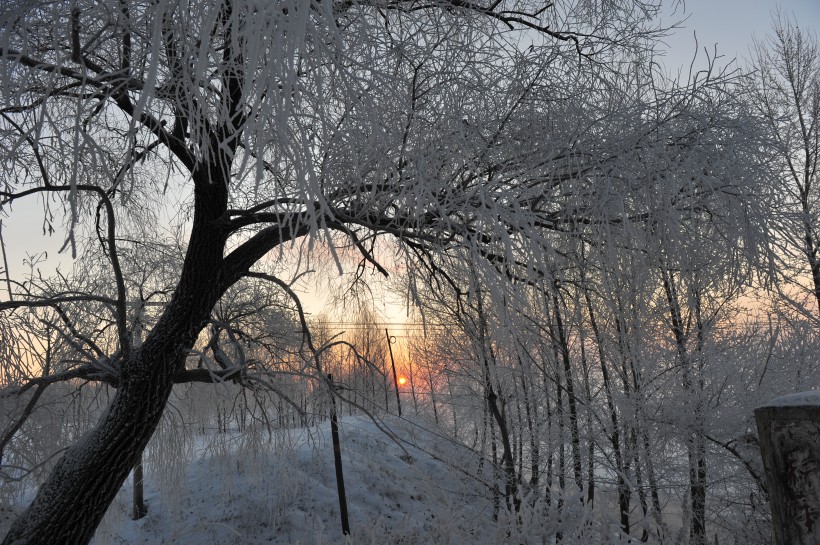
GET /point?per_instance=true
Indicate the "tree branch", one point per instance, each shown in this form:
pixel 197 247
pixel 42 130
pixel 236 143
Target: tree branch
pixel 113 256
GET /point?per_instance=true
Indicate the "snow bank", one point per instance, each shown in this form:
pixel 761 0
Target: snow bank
pixel 800 399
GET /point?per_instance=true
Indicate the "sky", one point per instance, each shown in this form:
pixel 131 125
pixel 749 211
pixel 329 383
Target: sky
pixel 730 24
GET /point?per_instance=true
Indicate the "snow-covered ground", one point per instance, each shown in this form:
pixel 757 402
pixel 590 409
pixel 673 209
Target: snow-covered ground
pixel 285 492
pixel 416 487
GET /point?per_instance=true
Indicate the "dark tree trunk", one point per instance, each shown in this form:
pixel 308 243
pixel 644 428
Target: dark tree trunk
pixel 510 486
pixel 639 483
pixel 549 452
pixel 615 437
pixel 559 404
pixel 71 502
pixel 575 436
pixel 695 442
pixel 487 355
pixel 496 489
pixel 653 483
pixel 535 450
pixel 453 408
pixel 483 449
pixel 519 434
pixel 697 491
pixel 590 443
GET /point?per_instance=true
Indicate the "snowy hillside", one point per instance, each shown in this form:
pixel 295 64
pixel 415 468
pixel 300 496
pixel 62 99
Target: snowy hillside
pixel 235 494
pixel 415 490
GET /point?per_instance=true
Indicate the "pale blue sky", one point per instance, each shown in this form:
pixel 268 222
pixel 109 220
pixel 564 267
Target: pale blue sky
pixel 730 24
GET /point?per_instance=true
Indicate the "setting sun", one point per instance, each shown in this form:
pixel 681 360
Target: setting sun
pixel 402 381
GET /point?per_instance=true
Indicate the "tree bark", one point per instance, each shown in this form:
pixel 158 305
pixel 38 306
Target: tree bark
pixel 71 503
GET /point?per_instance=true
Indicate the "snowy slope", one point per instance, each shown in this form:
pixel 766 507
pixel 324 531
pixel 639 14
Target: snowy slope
pixel 287 493
pixel 406 484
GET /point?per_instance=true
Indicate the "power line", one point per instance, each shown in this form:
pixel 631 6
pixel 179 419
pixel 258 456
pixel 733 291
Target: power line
pixel 377 326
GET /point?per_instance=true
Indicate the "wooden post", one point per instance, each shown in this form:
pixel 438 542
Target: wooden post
pixel 337 459
pixel 395 377
pixel 789 430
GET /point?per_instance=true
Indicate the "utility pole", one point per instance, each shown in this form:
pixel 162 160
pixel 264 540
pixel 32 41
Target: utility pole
pixel 390 341
pixel 337 458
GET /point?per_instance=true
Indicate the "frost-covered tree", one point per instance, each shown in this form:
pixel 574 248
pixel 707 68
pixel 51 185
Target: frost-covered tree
pixel 785 89
pixel 657 242
pixel 439 125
